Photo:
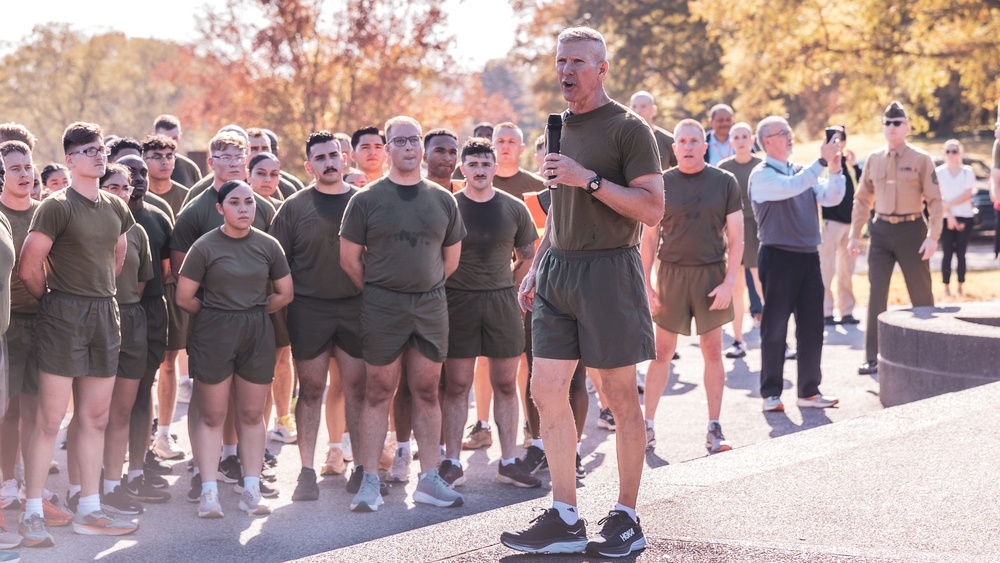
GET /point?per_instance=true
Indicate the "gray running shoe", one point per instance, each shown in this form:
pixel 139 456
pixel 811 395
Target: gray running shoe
pixel 432 489
pixel 369 497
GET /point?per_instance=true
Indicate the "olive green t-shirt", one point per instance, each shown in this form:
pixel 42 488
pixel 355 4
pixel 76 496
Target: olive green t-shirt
pixel 519 184
pixel 200 216
pixel 495 228
pixel 617 145
pixel 742 173
pixel 404 229
pixel 308 228
pixel 159 203
pixel 158 228
pixel 84 234
pixel 186 172
pixel 233 272
pixel 996 154
pixel 665 144
pixel 694 218
pixel 198 188
pixel 174 197
pixel 7 258
pixel 138 266
pixel 21 301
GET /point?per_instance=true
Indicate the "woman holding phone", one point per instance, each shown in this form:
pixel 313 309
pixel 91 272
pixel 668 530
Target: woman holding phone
pixel 957 182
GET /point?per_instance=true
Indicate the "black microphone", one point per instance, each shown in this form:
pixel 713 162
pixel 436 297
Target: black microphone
pixel 552 133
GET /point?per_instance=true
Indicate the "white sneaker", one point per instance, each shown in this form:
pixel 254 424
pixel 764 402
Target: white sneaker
pixel 208 505
pixel 165 448
pixel 284 430
pixel 400 470
pixel 251 503
pixel 184 388
pixel 8 494
pixel 817 401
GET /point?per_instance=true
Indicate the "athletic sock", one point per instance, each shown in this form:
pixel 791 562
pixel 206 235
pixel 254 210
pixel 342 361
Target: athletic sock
pixel 109 486
pixel 567 512
pixel 228 450
pixel 134 474
pixel 649 422
pixel 74 489
pixel 163 431
pixel 251 483
pixel 207 486
pixel 455 462
pixel 484 423
pixel 33 506
pixel 537 442
pixel 405 446
pixel 89 504
pixel 508 461
pixel 711 422
pixel 627 510
pixel 578 446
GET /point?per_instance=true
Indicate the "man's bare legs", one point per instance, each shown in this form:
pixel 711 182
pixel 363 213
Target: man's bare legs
pixel 503 379
pixel 336 419
pixel 484 391
pixel 116 436
pixel 352 381
pixel 550 389
pixel 380 386
pixel 739 305
pixel 659 370
pixel 281 387
pixel 715 373
pixel 623 400
pixel 312 383
pixel 459 377
pixel 166 388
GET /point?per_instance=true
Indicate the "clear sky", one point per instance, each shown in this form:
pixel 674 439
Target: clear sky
pixel 483 29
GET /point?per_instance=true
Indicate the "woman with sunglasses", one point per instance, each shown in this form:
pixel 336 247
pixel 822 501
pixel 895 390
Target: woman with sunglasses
pixel 957 182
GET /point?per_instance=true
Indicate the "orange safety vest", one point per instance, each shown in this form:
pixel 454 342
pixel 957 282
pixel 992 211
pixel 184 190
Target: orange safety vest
pixel 537 214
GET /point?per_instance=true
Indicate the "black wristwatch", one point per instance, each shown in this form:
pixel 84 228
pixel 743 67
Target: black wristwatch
pixel 594 184
pixel 823 162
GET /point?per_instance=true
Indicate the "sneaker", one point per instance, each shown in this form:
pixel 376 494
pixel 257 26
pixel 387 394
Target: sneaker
pixel 354 482
pixel 829 320
pixel 194 494
pixel 737 349
pixel 54 515
pixel 432 489
pixel 154 480
pixel 369 497
pixel 606 420
pixel 208 505
pixel 816 402
pixel 650 437
pixel 165 448
pixel 400 470
pixel 8 540
pixel 516 474
pixel 252 503
pixel 773 404
pixel 534 460
pixel 306 487
pixel 32 532
pixel 388 457
pixel 677 356
pixel 848 320
pixel 98 523
pixel 141 491
pixel 334 464
pixel 152 465
pixel 263 488
pixel 620 536
pixel 72 502
pixel 715 442
pixel 8 494
pixel 480 437
pixel 790 354
pixel 269 459
pixel 284 430
pixel 868 368
pixel 120 503
pixel 581 472
pixel 267 474
pixel 452 474
pixel 549 533
pixel 230 470
pixel 53 467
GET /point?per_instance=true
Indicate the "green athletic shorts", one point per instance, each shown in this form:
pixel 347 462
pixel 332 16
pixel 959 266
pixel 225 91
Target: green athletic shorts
pixel 316 325
pixel 683 292
pixel 392 321
pixel 226 342
pixel 78 336
pixel 178 320
pixel 132 355
pixel 22 350
pixel 156 331
pixel 592 306
pixel 484 323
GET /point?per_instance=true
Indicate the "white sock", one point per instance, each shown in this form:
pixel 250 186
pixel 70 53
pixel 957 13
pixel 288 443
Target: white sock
pixel 335 446
pixel 109 486
pixel 578 445
pixel 455 462
pixel 134 474
pixel 484 423
pixel 345 444
pixel 567 512
pixel 228 450
pixel 209 486
pixel 251 483
pixel 33 506
pixel 74 489
pixel 649 422
pixel 89 504
pixel 711 422
pixel 508 461
pixel 627 510
pixel 405 446
pixel 537 442
pixel 163 431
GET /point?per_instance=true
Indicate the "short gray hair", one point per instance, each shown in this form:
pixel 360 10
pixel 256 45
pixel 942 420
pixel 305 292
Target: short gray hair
pixel 765 125
pixel 689 123
pixel 399 120
pixel 581 33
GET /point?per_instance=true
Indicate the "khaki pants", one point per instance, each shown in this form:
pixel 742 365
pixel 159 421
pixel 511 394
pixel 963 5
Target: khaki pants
pixel 836 262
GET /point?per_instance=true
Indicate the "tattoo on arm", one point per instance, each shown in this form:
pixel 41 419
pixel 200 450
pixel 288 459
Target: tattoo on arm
pixel 526 252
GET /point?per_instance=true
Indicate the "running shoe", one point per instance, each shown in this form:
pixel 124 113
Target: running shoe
pixel 433 490
pixel 269 459
pixel 715 442
pixel 548 533
pixel 306 487
pixel 773 404
pixel 99 523
pixel 480 437
pixel 388 456
pixel 400 470
pixel 848 320
pixel 581 472
pixel 606 420
pixel 620 536
pixel 737 349
pixel 868 368
pixel 284 430
pixel 334 464
pixel 452 474
pixel 263 488
pixel 252 503
pixel 790 354
pixel 54 515
pixel 534 460
pixel 208 505
pixel 165 448
pixel 817 402
pixel 650 437
pixel 9 494
pixel 829 321
pixel 154 480
pixel 72 502
pixel 369 497
pixel 142 491
pixel 32 532
pixel 516 474
pixel 8 540
pixel 152 465
pixel 354 483
pixel 53 467
pixel 120 503
pixel 194 493
pixel 230 470
pixel 267 474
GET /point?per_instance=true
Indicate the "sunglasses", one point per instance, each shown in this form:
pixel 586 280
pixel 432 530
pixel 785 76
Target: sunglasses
pixel 894 122
pixel 951 151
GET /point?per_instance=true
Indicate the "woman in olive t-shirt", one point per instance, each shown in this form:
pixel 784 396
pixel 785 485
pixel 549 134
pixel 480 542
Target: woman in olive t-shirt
pixel 232 335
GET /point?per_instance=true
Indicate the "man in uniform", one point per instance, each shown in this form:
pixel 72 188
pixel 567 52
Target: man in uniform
pixel 898 180
pixel 400 239
pixel 186 172
pixel 368 144
pixel 511 178
pixel 643 104
pixel 441 156
pixel 697 270
pixel 160 154
pixel 608 182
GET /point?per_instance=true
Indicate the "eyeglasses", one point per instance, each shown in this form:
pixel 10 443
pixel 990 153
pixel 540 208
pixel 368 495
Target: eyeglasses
pixel 782 133
pixel 401 141
pixel 92 151
pixel 230 158
pixel 894 122
pixel 160 157
pixel 951 151
pixel 117 189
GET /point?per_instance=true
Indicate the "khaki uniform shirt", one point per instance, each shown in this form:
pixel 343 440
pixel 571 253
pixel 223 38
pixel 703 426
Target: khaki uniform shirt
pixel 898 182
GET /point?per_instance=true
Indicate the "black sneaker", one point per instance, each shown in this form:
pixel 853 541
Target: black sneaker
pixel 154 480
pixel 119 502
pixel 194 495
pixel 534 460
pixel 452 474
pixel 515 474
pixel 580 471
pixel 269 459
pixel 354 483
pixel 267 474
pixel 72 502
pixel 152 465
pixel 548 534
pixel 230 470
pixel 619 536
pixel 142 491
pixel 265 490
pixel 306 488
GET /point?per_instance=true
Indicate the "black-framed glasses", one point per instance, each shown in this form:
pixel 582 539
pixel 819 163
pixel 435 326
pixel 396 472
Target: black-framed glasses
pixel 401 141
pixel 92 151
pixel 950 151
pixel 893 122
pixel 160 157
